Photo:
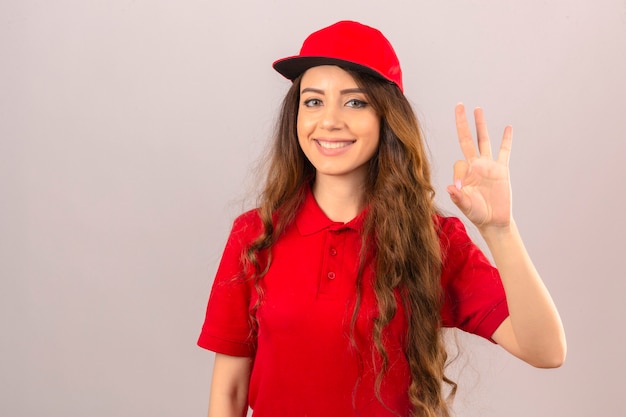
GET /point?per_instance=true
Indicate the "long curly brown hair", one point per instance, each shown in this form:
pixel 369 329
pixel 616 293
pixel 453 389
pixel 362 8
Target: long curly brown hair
pixel 400 229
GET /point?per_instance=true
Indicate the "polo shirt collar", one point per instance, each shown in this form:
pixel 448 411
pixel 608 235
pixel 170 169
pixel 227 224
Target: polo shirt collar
pixel 311 219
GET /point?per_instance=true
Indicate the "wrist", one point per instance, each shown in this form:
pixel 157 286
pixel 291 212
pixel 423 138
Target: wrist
pixel 498 233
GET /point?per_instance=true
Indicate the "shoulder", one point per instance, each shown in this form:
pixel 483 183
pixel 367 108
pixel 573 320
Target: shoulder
pixel 246 226
pixel 460 256
pixel 451 230
pixel 456 245
pixel 249 219
pixel 447 223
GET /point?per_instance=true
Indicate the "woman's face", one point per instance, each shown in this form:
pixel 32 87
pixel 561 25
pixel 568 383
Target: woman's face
pixel 338 130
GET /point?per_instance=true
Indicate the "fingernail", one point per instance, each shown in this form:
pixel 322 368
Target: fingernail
pixel 457 184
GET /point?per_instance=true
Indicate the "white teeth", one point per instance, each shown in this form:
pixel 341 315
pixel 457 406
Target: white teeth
pixel 333 145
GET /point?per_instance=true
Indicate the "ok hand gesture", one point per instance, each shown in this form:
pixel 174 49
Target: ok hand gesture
pixel 482 189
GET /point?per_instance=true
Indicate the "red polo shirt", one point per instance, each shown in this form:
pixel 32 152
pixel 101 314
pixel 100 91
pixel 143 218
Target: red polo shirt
pixel 305 363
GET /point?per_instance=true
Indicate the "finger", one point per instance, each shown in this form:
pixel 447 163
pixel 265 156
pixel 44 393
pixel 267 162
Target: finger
pixel 460 171
pixel 505 147
pixel 459 199
pixel 464 133
pixel 484 144
pixel 457 196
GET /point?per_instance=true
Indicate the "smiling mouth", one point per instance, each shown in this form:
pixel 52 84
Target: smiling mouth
pixel 335 144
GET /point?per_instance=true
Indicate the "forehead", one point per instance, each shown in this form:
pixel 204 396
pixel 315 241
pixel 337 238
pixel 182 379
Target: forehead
pixel 327 76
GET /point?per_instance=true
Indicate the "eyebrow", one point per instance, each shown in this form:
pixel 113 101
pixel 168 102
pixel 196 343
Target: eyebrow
pixel 318 91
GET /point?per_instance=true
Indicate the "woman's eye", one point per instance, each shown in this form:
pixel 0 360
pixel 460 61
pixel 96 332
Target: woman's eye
pixel 356 103
pixel 312 102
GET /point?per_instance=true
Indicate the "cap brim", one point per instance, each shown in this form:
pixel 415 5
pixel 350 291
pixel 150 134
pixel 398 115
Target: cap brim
pixel 294 66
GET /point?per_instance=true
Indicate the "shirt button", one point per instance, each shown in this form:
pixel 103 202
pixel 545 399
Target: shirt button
pixel 331 275
pixel 333 251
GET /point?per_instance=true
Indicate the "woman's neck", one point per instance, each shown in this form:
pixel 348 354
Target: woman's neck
pixel 340 198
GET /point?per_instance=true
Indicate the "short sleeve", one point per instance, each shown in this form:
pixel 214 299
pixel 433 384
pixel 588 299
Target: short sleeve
pixel 474 296
pixel 226 327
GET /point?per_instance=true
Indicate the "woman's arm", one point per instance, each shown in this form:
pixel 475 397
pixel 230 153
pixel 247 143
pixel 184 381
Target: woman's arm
pixel 229 386
pixel 533 331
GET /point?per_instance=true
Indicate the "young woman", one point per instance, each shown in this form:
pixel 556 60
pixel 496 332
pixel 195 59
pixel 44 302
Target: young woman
pixel 330 297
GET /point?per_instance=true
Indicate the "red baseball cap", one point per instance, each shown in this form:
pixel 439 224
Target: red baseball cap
pixel 348 44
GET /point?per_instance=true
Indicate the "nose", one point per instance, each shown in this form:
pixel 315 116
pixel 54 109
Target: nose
pixel 331 117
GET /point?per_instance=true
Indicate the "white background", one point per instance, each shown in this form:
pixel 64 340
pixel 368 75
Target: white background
pixel 128 130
